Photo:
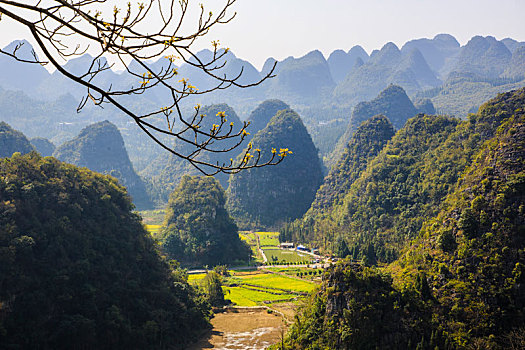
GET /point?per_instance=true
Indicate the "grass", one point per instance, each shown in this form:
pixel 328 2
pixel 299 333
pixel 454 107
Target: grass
pixel 268 239
pixel 267 280
pixel 252 288
pixel 287 256
pixel 251 239
pixel 152 217
pixel 242 296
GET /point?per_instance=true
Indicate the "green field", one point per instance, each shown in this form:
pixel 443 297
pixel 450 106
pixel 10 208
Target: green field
pixel 259 288
pixel 152 217
pixel 269 280
pixel 286 256
pixel 251 239
pixel 268 239
pixel 242 296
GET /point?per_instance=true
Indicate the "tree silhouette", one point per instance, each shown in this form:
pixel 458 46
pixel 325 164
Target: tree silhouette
pixel 134 35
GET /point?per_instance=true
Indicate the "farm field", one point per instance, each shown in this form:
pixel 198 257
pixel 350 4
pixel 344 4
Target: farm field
pixel 268 239
pixel 152 217
pixel 304 273
pixel 286 256
pixel 244 296
pixel 251 239
pixel 270 280
pixel 261 288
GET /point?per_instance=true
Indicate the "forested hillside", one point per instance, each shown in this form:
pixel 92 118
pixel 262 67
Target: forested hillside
pixel 392 102
pixel 369 139
pixel 198 230
pixel 268 196
pixel 261 116
pixel 12 141
pixel 77 268
pixel 438 74
pixel 43 146
pixel 459 283
pixel 100 147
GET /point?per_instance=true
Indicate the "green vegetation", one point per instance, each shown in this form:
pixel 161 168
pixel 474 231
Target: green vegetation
pixel 251 239
pixel 249 296
pixel 268 239
pixel 392 102
pixel 357 308
pixel 43 146
pixel 285 256
pixel 265 197
pixel 458 282
pixel 262 288
pixel 472 250
pixel 212 284
pixel 77 268
pixel 268 280
pixel 368 140
pixel 100 147
pixel 153 217
pixel 197 229
pixel 261 116
pixel 12 141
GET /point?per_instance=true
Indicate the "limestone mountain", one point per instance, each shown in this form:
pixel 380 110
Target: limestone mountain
pixel 18 75
pixel 100 148
pixel 460 280
pixel 367 141
pixel 197 229
pixel 267 196
pixel 482 57
pixel 341 63
pixel 386 66
pixel 301 80
pixel 512 44
pixel 392 102
pixel 261 116
pixel 516 67
pixel 381 208
pixel 438 52
pixel 166 171
pixel 414 67
pixel 425 106
pixel 43 146
pixel 476 240
pixel 12 141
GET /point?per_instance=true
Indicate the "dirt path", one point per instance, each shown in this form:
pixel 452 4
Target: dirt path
pixel 250 329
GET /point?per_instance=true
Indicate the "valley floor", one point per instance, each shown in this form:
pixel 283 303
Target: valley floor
pixel 243 328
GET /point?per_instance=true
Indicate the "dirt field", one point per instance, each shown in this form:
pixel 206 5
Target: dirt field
pixel 253 329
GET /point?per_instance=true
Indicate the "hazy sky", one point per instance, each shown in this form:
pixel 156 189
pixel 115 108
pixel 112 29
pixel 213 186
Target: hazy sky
pixel 282 28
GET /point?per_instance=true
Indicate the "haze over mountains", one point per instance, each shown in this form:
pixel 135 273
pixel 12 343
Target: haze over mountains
pixel 332 95
pixel 343 78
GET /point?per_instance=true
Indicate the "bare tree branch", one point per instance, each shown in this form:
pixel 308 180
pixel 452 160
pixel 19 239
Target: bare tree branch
pixel 118 33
